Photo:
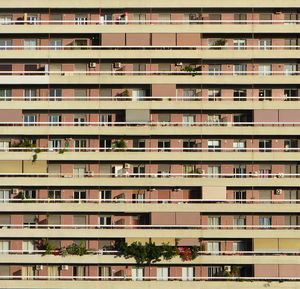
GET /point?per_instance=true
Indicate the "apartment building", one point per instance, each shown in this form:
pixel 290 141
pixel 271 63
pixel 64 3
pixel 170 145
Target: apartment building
pixel 134 123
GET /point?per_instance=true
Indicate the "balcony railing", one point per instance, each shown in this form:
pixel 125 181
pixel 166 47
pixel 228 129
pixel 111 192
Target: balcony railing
pixel 150 98
pixel 153 227
pixel 145 22
pixel 146 149
pixel 137 202
pixel 219 123
pixel 148 47
pixel 148 73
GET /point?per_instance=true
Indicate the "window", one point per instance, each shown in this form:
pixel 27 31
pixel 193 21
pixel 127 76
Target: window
pixel 213 248
pixel 162 273
pixel 105 195
pixel 139 143
pixel 80 120
pixel 265 44
pixel 5 94
pixel 140 18
pixel 214 171
pixel 138 198
pixel 291 195
pixel 138 94
pixel 188 273
pixel 105 271
pixel 81 20
pixel 213 119
pixel 290 69
pixel 55 44
pixel 240 18
pixel 4 196
pixel 55 94
pixel 80 145
pixel 214 94
pixel 54 143
pixel 30 194
pixel 29 120
pixel 239 94
pixel 265 94
pixel 290 94
pixel 215 271
pixel 188 120
pixel 6 20
pixel 189 94
pixel 105 119
pixel 30 44
pixel 79 171
pixel 5 247
pixel 290 145
pixel 137 274
pixel 164 145
pixel 214 145
pixel 54 194
pixel 215 18
pixel 189 170
pixel 106 19
pixel 265 145
pixel 79 195
pixel 239 171
pixel 214 222
pixel 239 44
pixel 28 246
pixel 265 18
pixel 5 44
pixel 139 171
pixel 290 43
pixel 4 146
pixel 214 69
pixel 240 69
pixel 265 222
pixel 265 69
pixel 54 120
pixel 32 19
pixel 188 144
pixel 30 94
pixel 104 221
pixel 290 18
pixel 239 145
pixel 239 246
pixel 240 196
pixel 239 222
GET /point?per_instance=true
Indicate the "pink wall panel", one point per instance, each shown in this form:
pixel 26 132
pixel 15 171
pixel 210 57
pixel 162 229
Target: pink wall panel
pixel 168 39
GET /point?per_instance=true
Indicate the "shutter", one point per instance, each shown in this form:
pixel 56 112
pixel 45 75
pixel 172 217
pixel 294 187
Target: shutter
pixel 4 270
pixel 54 169
pixel 10 167
pixel 164 117
pixel 35 167
pixel 54 220
pixel 265 244
pixel 137 115
pixel 79 220
pixel 29 218
pixel 265 195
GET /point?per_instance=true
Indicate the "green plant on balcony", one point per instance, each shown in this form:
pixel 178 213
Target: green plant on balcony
pixel 218 43
pixel 75 249
pixel 146 254
pixel 192 70
pixel 48 247
pixel 62 151
pixel 119 145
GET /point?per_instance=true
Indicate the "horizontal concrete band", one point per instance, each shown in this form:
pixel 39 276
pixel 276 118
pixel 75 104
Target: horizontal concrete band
pixel 112 259
pixel 146 233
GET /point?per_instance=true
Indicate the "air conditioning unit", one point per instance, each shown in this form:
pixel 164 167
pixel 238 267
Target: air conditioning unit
pixel 89 174
pixel 38 267
pixel 126 166
pixel 179 64
pixel 227 268
pixel 278 191
pixel 117 65
pixel 92 64
pixel 15 191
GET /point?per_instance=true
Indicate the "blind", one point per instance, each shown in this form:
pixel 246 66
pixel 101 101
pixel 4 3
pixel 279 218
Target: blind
pixel 4 219
pixel 35 167
pixel 4 270
pixel 137 115
pixel 54 168
pixel 265 244
pixel 289 244
pixel 160 241
pixel 79 220
pixel 141 240
pixel 10 167
pixel 29 218
pixel 54 220
pixel 164 118
pixel 266 194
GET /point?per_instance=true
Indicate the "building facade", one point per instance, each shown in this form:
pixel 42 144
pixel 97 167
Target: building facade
pixel 128 123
